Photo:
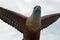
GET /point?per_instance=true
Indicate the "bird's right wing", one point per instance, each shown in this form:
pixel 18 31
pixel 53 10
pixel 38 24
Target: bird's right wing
pixel 48 20
pixel 15 19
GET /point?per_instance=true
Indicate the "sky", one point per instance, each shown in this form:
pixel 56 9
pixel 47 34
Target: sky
pixel 25 7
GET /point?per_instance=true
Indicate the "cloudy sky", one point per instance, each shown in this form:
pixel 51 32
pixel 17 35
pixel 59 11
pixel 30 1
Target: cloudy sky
pixel 25 7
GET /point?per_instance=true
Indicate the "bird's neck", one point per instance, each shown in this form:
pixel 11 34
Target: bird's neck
pixel 35 17
pixel 34 21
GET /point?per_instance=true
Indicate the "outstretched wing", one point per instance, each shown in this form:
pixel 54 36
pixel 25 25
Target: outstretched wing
pixel 49 19
pixel 15 19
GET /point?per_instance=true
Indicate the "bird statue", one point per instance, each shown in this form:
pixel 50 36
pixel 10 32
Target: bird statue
pixel 29 26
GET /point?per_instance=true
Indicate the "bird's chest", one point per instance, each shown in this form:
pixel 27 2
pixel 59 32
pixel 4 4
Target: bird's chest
pixel 34 24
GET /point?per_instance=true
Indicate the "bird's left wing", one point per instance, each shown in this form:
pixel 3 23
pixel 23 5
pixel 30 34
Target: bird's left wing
pixel 49 19
pixel 15 19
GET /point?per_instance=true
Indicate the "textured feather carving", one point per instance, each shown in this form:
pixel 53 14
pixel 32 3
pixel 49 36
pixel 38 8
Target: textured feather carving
pixel 49 19
pixel 19 22
pixel 13 18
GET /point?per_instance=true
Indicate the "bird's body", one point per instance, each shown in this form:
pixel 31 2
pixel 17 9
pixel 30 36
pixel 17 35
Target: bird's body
pixel 33 24
pixel 33 21
pixel 31 33
pixel 29 26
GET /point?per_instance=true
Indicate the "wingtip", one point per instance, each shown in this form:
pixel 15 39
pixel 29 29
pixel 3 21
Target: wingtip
pixel 2 8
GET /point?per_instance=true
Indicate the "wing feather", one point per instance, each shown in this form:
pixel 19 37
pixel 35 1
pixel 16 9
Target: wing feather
pixel 49 19
pixel 15 19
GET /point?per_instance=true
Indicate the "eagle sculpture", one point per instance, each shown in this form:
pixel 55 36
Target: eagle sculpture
pixel 29 26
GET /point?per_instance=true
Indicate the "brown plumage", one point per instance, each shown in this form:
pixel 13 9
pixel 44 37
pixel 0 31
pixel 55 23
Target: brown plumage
pixel 19 22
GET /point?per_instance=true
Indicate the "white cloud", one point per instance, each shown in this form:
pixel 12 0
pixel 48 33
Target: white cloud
pixel 57 1
pixel 30 1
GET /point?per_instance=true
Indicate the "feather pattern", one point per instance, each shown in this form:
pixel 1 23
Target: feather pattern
pixel 49 19
pixel 19 22
pixel 13 18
